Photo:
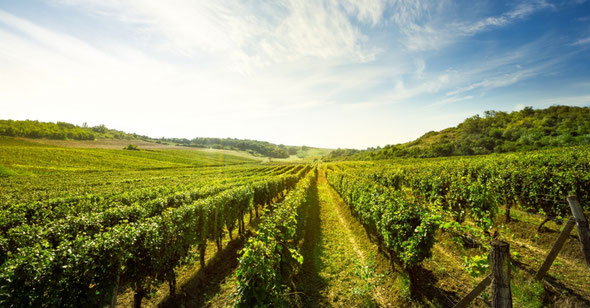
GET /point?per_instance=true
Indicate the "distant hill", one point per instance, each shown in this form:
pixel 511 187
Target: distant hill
pixel 255 147
pixel 67 131
pixel 494 132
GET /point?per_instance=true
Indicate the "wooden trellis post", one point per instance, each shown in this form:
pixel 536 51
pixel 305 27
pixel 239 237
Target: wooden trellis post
pixel 500 264
pixel 481 286
pixel 500 260
pixel 499 278
pixel 565 233
pixel 582 224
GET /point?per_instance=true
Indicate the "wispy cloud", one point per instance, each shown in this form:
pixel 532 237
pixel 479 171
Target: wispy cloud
pixel 526 62
pixel 64 45
pixel 582 41
pixel 426 25
pixel 448 100
pixel 497 81
pixel 250 34
pixel 367 11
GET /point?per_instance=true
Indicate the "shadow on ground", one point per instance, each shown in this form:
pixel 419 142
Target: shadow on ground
pixel 428 293
pixel 309 283
pixel 207 281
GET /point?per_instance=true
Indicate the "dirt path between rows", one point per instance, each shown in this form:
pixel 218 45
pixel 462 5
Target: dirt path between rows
pixel 338 267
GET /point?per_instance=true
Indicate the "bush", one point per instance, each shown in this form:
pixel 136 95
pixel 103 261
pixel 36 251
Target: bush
pixel 131 147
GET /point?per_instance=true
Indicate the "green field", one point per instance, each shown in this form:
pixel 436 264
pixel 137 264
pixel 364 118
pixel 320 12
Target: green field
pixel 86 223
pixel 23 156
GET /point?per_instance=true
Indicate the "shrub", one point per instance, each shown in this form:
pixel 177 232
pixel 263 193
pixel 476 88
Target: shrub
pixel 131 147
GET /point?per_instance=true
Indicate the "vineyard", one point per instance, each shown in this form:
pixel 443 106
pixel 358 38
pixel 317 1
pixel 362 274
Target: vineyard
pixel 105 227
pixel 409 207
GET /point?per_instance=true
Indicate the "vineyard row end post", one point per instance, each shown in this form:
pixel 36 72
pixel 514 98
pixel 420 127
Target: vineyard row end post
pixel 499 278
pixel 582 224
pixel 500 264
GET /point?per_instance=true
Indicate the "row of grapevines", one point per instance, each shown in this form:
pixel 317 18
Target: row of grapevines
pixel 55 231
pixel 536 181
pixel 271 257
pixel 402 225
pixel 460 194
pixel 28 189
pixel 86 270
pixel 40 213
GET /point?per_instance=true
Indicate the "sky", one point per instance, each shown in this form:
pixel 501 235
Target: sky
pixel 325 73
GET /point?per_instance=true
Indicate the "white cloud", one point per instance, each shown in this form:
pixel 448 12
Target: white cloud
pixel 449 100
pixel 582 41
pixel 420 68
pixel 496 81
pixel 515 67
pixel 248 35
pixel 426 26
pixel 48 75
pixel 66 46
pixel 368 11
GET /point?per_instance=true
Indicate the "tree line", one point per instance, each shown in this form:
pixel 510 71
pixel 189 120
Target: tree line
pixel 254 147
pixel 61 131
pixel 494 132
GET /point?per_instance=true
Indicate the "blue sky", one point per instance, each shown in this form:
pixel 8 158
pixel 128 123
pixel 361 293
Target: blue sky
pixel 324 73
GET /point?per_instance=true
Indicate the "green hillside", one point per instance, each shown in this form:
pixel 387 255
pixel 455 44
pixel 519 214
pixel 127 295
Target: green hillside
pixel 18 156
pixel 67 131
pixel 494 132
